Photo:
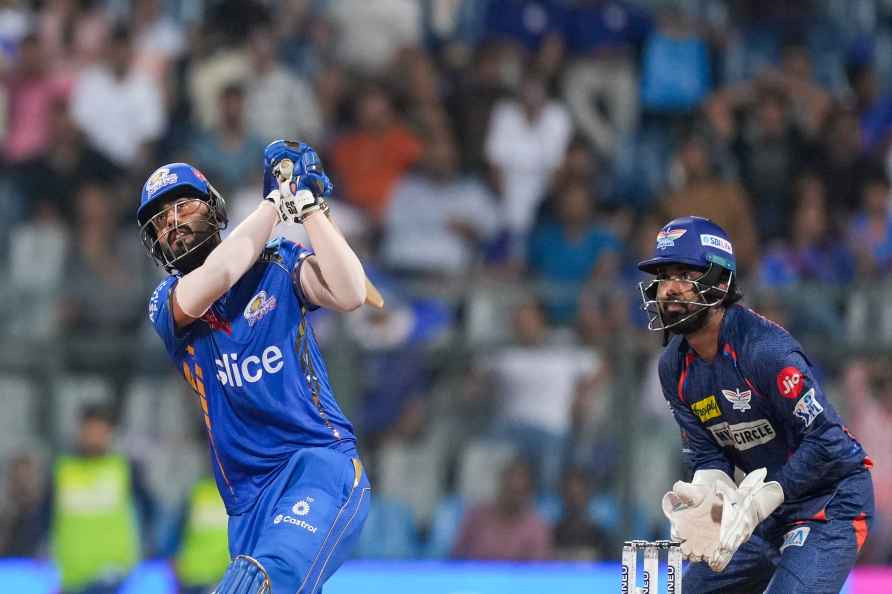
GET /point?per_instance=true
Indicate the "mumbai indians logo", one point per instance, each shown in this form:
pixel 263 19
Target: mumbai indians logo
pixel 667 237
pixel 162 177
pixel 259 306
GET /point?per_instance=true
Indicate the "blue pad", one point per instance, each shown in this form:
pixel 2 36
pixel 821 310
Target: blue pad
pixel 245 575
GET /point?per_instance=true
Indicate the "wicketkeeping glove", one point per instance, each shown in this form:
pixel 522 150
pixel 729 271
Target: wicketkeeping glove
pixel 742 510
pixel 694 511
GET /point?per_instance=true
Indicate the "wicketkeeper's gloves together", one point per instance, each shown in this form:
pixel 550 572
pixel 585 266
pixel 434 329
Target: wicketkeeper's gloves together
pixel 694 511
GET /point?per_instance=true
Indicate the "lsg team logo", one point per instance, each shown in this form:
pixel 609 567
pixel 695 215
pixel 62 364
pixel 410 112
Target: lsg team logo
pixel 666 239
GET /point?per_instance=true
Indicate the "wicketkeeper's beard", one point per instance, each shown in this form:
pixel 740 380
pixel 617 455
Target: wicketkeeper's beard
pixel 693 316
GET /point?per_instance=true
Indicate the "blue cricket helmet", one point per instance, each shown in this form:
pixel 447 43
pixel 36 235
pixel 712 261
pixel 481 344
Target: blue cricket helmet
pixel 165 185
pixel 692 241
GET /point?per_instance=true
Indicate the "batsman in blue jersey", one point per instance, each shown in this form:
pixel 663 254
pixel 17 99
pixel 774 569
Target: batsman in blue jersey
pixel 233 317
pixel 745 396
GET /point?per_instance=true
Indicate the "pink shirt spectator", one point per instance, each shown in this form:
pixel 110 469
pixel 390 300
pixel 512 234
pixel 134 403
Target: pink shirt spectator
pixel 488 534
pixel 30 103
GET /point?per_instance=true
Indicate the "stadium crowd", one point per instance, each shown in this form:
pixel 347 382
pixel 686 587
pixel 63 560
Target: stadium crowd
pixel 500 166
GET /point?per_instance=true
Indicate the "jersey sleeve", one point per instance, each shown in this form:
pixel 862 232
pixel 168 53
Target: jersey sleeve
pixel 699 447
pixel 294 256
pixel 161 317
pixel 824 451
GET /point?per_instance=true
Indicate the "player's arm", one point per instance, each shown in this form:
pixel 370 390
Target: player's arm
pixel 196 291
pixel 333 276
pixel 826 452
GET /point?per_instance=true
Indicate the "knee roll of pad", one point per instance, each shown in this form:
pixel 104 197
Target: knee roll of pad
pixel 245 575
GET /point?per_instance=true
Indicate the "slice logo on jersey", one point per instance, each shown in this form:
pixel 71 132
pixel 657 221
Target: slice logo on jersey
pixel 161 178
pixel 795 537
pixel 232 372
pixel 666 239
pixel 259 306
pixel 719 243
pixel 743 436
pixel 808 408
pixel 739 400
pixel 706 409
pixel 789 382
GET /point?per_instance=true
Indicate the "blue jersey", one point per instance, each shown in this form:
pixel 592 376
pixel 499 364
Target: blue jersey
pixel 758 404
pixel 255 365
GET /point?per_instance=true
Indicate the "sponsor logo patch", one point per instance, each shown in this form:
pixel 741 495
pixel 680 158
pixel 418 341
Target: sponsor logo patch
pixel 706 409
pixel 301 508
pixel 666 238
pixel 789 382
pixel 808 408
pixel 259 306
pixel 739 400
pixel 795 537
pixel 287 519
pixel 743 436
pixel 719 243
pixel 161 178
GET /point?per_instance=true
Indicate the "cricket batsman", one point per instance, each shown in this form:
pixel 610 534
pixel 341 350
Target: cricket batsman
pixel 233 317
pixel 745 395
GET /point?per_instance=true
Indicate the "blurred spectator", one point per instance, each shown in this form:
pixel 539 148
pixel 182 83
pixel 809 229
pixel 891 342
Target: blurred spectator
pixel 842 164
pixel 675 74
pixel 103 289
pixel 534 383
pixel 278 103
pixel 565 251
pixel 99 512
pixel 508 528
pixel 479 88
pixel 228 153
pixel 872 102
pixel 603 38
pixel 528 23
pixel 868 390
pixel 159 40
pixel 372 32
pixel 20 514
pixel 576 536
pixel 412 461
pixel 437 219
pixel 870 231
pixel 526 141
pixel 698 191
pixel 770 150
pixel 368 160
pixel 203 551
pixel 814 255
pixel 118 108
pixel 32 92
pixel 74 33
pixel 68 162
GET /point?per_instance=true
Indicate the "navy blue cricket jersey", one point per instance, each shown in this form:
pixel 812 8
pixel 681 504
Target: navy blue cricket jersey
pixel 758 404
pixel 255 365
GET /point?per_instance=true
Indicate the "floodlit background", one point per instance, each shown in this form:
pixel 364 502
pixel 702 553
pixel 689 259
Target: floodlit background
pixel 500 165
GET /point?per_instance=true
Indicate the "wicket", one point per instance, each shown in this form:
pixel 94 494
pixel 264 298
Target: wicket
pixel 651 573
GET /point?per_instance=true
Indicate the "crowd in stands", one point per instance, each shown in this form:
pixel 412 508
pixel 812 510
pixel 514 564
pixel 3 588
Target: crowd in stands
pixel 500 166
